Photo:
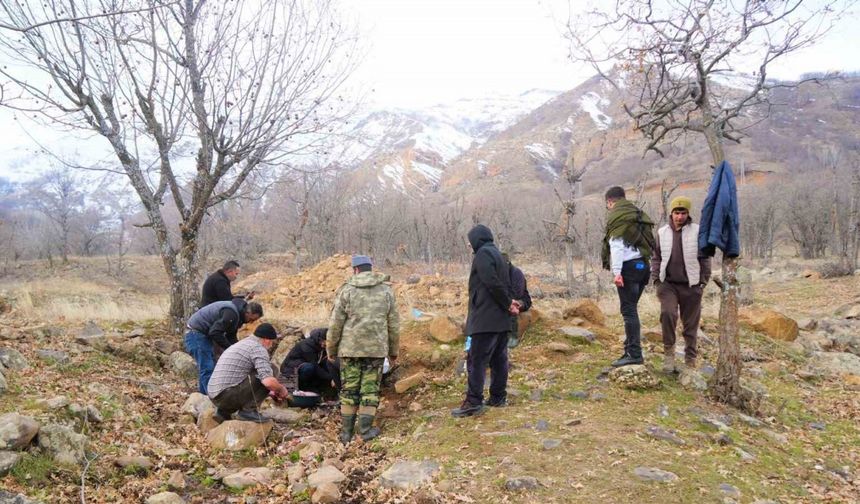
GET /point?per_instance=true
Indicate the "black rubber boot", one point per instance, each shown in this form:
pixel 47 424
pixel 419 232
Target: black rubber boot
pixel 366 428
pixel 347 429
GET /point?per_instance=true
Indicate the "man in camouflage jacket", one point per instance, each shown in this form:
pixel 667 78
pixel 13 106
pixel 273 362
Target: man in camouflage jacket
pixel 363 330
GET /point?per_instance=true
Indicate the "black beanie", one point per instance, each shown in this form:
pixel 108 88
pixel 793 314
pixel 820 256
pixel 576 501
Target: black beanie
pixel 266 331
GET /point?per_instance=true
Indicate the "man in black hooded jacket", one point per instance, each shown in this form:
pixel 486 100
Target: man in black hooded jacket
pixel 488 323
pixel 306 367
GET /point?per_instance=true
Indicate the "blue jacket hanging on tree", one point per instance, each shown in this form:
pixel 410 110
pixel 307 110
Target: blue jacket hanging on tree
pixel 720 223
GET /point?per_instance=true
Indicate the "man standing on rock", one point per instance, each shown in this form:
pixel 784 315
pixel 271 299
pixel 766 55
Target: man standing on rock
pixel 680 274
pixel 216 323
pixel 244 377
pixel 488 323
pixel 217 285
pixel 627 247
pixel 364 329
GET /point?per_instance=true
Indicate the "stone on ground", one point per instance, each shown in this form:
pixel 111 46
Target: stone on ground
pixel 8 459
pixel 196 404
pixel 636 377
pixel 311 450
pixel 834 364
pixel 407 383
pixel 12 498
pixel 550 444
pixel 587 309
pixel 326 493
pixel 4 385
pixel 91 329
pixel 557 346
pixel 141 464
pixel 295 473
pixel 692 380
pixel 53 403
pixel 235 435
pixel 16 431
pixel 176 481
pixel 183 365
pixel 89 413
pixel 63 444
pixel 12 359
pixel 654 474
pixel 327 474
pixel 247 477
pixel 165 498
pixel 521 483
pixel 579 335
pixel 284 415
pixel 57 356
pixel 772 323
pixel 408 474
pixel 664 435
pixel 443 330
pixel 729 491
pixel 206 421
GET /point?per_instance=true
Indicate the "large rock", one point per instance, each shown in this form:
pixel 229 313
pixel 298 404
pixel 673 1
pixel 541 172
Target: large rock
pixel 12 359
pixel 63 444
pixel 772 323
pixel 327 474
pixel 17 431
pixel 407 383
pixel 235 435
pixel 284 415
pixel 579 335
pixel 408 474
pixel 196 404
pixel 249 476
pixel 636 377
pixel 847 342
pixel 184 365
pixel 834 363
pixel 165 498
pixel 8 459
pixel 327 493
pixel 443 330
pixel 587 309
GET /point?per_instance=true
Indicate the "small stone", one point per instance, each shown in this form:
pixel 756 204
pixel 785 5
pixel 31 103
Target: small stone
pixel 327 474
pixel 664 435
pixel 176 481
pixel 663 411
pixel 91 329
pixel 776 437
pixel 654 474
pixel 53 356
pixel 409 474
pixel 165 498
pixel 729 491
pixel 573 422
pixel 183 365
pixel 176 452
pixel 636 377
pixel 8 459
pixel 53 403
pixel 597 396
pixel 141 464
pixel 535 395
pixel 196 404
pixel 311 450
pixel 744 455
pixel 692 380
pixel 579 394
pixel 332 462
pixel 521 483
pixel 749 420
pixel 164 347
pixel 206 421
pixel 542 425
pixel 299 488
pixel 723 439
pixel 407 383
pixel 579 335
pixel 715 423
pixel 295 473
pixel 12 359
pixel 550 444
pixel 326 493
pixel 247 477
pixel 413 279
pixel 137 332
pixel 818 426
pixel 557 346
pixel 280 489
pixel 707 370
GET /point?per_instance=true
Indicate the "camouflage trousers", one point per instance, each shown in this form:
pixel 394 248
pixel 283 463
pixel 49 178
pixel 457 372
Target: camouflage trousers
pixel 360 379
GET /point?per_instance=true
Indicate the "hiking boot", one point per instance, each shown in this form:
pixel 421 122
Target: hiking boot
pixel 467 409
pixel 498 403
pixel 347 429
pixel 251 416
pixel 366 428
pixel 627 361
pixel 690 363
pixel 669 363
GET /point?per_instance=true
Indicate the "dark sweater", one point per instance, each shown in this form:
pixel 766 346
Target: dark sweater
pixel 216 288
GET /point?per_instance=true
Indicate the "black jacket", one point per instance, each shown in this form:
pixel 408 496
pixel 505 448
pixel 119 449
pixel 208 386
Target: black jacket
pixel 310 349
pixel 216 288
pixel 519 288
pixel 489 286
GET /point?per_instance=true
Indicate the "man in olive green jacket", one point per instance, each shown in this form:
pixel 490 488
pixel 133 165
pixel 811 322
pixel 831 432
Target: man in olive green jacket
pixel 363 330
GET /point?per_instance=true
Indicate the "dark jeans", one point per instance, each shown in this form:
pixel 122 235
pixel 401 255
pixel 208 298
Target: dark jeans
pixel 488 349
pixel 635 274
pixel 318 377
pixel 246 396
pixel 200 347
pixel 678 298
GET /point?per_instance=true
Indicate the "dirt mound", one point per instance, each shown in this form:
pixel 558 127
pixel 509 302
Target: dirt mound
pixel 316 285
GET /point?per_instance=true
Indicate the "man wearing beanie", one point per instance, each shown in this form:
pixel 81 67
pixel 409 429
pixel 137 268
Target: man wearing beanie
pixel 364 329
pixel 680 274
pixel 245 376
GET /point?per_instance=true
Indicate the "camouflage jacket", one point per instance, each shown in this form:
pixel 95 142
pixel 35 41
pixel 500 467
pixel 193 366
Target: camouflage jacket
pixel 364 320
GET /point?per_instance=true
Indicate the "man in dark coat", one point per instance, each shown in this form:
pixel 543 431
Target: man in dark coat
pixel 217 285
pixel 306 367
pixel 488 323
pixel 216 323
pixel 520 293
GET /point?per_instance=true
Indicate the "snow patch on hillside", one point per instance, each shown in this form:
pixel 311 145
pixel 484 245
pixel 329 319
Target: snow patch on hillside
pixel 591 103
pixel 431 173
pixel 394 173
pixel 543 154
pixel 442 139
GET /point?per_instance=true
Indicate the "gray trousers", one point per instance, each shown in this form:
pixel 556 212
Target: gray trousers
pixel 248 395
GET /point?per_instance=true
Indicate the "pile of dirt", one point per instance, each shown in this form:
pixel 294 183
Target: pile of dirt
pixel 316 285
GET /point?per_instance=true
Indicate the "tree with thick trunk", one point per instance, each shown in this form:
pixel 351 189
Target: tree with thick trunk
pixel 197 100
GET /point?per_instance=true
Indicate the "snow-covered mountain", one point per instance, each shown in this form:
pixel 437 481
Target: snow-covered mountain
pixel 410 149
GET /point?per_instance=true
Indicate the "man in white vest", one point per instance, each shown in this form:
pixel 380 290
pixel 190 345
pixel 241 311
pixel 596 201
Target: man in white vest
pixel 680 274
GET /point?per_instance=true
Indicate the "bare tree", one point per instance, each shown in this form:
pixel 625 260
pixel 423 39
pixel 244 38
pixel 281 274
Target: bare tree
pixel 57 196
pixel 196 99
pixel 562 229
pixel 666 191
pixel 671 56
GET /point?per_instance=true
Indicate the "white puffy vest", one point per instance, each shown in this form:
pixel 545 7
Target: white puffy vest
pixel 690 247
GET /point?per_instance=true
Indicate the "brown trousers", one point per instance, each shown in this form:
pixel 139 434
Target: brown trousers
pixel 678 298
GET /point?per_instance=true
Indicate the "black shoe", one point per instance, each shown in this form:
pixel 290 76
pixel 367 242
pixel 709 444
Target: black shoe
pixel 366 429
pixel 498 403
pixel 628 361
pixel 221 416
pixel 466 410
pixel 251 416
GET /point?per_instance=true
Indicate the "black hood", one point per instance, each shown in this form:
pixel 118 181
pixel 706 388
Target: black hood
pixel 318 335
pixel 479 236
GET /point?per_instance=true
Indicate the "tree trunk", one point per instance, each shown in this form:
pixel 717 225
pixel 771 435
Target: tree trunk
pixel 568 265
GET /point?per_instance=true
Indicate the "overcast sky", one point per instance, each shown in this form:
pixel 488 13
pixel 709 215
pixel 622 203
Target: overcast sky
pixel 423 52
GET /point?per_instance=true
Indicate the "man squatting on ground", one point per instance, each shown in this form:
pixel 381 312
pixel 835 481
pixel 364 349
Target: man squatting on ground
pixel 216 323
pixel 244 377
pixel 627 246
pixel 488 323
pixel 680 273
pixel 306 367
pixel 364 328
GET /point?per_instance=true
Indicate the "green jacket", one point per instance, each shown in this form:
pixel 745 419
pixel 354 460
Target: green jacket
pixel 633 225
pixel 364 320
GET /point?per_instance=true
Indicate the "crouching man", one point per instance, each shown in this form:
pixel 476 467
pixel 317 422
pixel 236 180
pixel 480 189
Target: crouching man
pixel 244 377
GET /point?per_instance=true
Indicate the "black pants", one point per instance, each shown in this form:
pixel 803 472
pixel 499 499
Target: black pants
pixel 635 274
pixel 488 349
pixel 248 395
pixel 318 377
